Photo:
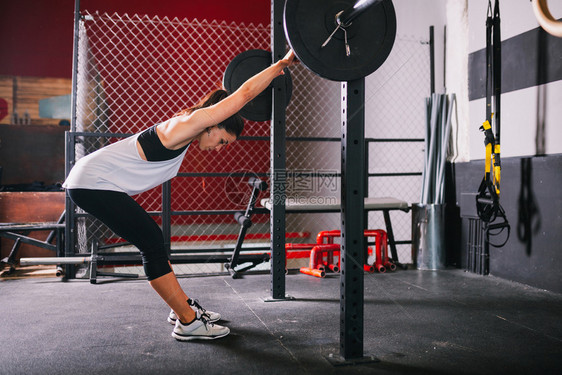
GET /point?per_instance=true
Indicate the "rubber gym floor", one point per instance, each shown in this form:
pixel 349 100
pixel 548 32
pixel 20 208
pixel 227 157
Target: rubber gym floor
pixel 416 322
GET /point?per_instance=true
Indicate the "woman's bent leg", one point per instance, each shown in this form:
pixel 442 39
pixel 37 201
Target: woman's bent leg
pixel 126 218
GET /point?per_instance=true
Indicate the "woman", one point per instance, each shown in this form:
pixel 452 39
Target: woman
pixel 102 183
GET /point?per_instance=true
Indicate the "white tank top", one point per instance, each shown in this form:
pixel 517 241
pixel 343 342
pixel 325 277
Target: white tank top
pixel 119 167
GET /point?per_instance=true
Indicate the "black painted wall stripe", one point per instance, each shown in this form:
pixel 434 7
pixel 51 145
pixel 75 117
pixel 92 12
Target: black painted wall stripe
pixel 528 59
pixel 532 200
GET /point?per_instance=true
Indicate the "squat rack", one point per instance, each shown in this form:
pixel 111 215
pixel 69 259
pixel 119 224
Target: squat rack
pixel 352 199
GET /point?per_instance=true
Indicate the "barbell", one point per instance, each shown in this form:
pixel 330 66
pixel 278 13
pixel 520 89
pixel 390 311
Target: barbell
pixel 340 40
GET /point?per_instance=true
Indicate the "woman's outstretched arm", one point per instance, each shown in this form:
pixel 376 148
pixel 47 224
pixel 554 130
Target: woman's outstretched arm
pixel 179 130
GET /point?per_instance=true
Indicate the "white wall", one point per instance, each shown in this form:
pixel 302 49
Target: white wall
pixel 521 109
pixel 395 108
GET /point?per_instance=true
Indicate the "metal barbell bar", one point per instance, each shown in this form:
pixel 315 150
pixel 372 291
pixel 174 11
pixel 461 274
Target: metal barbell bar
pixel 347 16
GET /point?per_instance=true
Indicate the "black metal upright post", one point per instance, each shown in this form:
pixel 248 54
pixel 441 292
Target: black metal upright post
pixel 352 219
pixel 432 59
pixel 278 173
pixel 69 233
pixel 74 68
pixel 366 190
pixel 167 214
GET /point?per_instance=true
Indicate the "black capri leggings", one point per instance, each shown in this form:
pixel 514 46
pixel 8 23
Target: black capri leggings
pixel 126 218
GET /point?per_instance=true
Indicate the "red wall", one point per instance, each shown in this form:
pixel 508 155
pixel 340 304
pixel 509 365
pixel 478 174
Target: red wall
pixel 36 36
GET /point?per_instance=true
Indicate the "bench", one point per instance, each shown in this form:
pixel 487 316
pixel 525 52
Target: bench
pixel 384 204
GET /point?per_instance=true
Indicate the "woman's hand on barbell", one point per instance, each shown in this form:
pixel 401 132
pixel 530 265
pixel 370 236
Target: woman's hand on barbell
pixel 286 61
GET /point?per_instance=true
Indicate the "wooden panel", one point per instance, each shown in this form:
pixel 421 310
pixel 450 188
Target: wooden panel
pixel 31 89
pixel 27 207
pixel 28 92
pixel 6 96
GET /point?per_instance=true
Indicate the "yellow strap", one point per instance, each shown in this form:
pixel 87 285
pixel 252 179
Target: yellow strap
pixel 496 175
pixel 497 170
pixel 486 125
pixel 497 178
pixel 488 165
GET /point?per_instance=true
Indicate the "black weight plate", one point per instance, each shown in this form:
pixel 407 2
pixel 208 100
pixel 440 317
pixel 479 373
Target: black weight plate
pixel 308 23
pixel 246 65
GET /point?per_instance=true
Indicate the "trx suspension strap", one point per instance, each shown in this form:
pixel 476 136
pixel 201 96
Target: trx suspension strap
pixel 488 198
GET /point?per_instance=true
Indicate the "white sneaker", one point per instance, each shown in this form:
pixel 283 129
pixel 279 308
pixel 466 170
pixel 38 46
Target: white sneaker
pixel 209 315
pixel 200 329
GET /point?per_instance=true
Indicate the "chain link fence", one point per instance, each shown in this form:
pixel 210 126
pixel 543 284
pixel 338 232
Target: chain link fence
pixel 394 129
pixel 136 71
pixel 395 110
